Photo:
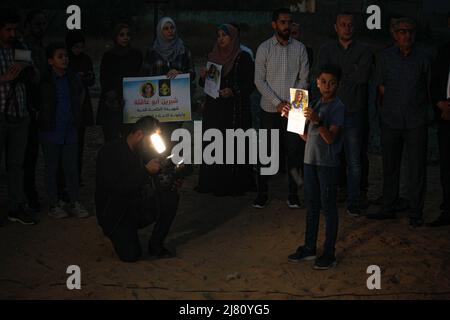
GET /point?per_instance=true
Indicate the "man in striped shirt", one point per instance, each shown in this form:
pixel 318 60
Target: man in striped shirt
pixel 281 63
pixel 14 118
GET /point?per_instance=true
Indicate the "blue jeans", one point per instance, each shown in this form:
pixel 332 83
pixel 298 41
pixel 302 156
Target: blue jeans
pixel 353 132
pixel 320 185
pixel 67 155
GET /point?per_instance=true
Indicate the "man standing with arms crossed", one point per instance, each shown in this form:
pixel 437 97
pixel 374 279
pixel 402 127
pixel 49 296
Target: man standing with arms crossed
pixel 281 63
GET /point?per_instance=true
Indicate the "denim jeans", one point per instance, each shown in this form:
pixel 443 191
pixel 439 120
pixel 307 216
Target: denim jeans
pixel 320 192
pixel 353 132
pixel 67 155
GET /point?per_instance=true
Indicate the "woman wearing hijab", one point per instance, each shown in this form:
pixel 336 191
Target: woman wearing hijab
pixel 170 57
pixel 81 64
pixel 230 111
pixel 120 62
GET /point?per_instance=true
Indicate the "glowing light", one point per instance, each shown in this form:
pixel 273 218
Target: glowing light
pixel 158 143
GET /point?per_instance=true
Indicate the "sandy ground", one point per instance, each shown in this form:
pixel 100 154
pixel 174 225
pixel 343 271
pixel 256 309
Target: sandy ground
pixel 226 250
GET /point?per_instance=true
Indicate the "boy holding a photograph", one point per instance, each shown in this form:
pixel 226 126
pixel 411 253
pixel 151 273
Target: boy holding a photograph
pixel 321 168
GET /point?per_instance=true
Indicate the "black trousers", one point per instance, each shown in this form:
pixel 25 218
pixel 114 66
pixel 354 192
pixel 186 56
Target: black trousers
pixel 30 161
pixel 414 142
pixel 125 237
pixel 444 150
pixel 294 149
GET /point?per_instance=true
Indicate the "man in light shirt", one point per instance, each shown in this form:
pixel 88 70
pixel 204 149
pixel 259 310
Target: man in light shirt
pixel 281 63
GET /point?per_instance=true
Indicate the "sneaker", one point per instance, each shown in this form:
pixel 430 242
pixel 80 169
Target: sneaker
pixel 57 211
pixel 261 201
pixel 354 211
pixel 415 223
pixel 302 254
pixel 21 216
pixel 325 262
pixel 77 210
pixel 293 201
pixel 163 253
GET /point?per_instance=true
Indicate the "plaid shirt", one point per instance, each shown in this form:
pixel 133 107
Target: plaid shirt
pixel 10 104
pixel 279 68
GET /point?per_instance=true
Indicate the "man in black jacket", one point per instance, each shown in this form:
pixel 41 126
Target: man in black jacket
pixel 121 177
pixel 441 101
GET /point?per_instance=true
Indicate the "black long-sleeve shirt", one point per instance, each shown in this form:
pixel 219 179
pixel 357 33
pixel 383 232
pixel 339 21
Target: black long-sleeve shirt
pixel 120 176
pixel 356 63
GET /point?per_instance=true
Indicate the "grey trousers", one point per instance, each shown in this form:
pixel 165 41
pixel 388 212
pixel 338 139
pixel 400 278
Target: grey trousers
pixel 13 142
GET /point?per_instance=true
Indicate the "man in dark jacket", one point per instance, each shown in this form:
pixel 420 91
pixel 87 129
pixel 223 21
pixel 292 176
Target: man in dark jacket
pixel 121 178
pixel 440 91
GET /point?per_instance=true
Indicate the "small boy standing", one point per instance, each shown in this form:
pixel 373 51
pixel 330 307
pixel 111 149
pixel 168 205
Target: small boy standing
pixel 61 97
pixel 324 143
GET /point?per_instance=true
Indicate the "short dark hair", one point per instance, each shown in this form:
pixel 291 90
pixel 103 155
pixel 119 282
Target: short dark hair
pixel 276 14
pixel 344 13
pixel 52 47
pixel 403 20
pixel 8 15
pixel 33 14
pixel 146 124
pixel 330 69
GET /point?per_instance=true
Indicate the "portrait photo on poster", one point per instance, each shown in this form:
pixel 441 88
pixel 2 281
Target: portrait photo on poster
pixel 299 101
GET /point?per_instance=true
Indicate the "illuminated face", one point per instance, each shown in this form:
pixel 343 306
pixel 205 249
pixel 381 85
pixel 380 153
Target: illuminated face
pixel 168 31
pixel 327 84
pixel 405 35
pixel 148 91
pixel 283 26
pixel 164 89
pixel 345 28
pixel 298 96
pixel 223 40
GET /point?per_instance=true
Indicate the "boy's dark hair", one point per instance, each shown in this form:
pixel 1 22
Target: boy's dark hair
pixel 32 14
pixel 330 69
pixel 8 15
pixel 276 14
pixel 52 47
pixel 147 124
